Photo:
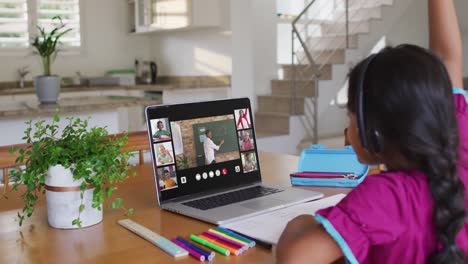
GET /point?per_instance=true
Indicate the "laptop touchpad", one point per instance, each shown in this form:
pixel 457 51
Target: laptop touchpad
pixel 262 204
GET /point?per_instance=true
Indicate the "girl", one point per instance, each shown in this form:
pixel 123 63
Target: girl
pixel 403 114
pixel 164 157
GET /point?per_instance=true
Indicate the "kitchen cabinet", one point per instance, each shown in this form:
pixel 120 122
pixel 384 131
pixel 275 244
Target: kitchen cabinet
pixel 166 15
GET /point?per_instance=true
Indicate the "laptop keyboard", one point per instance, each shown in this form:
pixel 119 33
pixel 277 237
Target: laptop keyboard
pixel 231 197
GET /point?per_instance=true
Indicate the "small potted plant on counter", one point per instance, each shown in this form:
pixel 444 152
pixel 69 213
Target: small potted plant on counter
pixel 46 45
pixel 76 168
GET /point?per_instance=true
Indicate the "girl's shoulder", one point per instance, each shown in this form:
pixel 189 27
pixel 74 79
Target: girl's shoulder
pixel 461 100
pixel 394 179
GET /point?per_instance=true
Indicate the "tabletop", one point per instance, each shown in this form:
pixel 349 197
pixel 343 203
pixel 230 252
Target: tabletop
pixel 108 242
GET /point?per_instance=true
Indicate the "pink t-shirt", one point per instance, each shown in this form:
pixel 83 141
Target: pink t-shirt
pixel 388 218
pixel 247 145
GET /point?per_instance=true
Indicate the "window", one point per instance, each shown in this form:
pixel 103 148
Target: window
pixel 13 23
pixel 68 10
pixel 16 32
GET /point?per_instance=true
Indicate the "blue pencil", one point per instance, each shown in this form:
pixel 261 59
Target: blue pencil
pixel 208 255
pixel 229 232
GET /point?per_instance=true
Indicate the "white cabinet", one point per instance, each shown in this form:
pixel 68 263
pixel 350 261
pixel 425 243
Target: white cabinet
pixel 163 15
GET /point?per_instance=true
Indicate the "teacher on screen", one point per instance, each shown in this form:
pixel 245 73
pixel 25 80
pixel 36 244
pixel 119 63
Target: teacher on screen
pixel 209 148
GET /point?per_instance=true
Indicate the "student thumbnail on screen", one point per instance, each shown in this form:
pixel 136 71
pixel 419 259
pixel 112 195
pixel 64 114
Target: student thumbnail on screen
pixel 160 129
pixel 205 141
pixel 246 141
pixel 163 153
pixel 242 118
pixel 249 161
pixel 167 178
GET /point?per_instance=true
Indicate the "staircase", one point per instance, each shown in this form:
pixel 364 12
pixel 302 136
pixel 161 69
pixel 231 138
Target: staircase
pixel 323 34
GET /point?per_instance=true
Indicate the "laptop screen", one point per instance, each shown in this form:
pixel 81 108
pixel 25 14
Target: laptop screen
pixel 200 147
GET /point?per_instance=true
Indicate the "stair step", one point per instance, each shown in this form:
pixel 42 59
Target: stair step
pixel 329 57
pixel 357 15
pixel 306 71
pixel 325 56
pixel 363 3
pixel 332 42
pixel 271 123
pixel 279 104
pixel 340 28
pixel 285 88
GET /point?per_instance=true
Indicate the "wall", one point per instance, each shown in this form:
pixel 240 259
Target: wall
pixel 195 52
pixel 106 44
pixel 192 53
pixel 418 32
pixel 465 54
pixel 254 62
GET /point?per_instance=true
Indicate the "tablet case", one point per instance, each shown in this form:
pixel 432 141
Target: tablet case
pixel 335 168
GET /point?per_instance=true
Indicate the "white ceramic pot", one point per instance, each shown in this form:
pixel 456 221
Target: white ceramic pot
pixel 63 200
pixel 47 88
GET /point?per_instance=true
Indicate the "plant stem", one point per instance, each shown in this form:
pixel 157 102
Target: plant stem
pixel 46 64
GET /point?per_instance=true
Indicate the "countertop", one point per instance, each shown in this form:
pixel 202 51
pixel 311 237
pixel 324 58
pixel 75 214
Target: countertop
pixel 142 87
pixel 29 109
pixel 164 83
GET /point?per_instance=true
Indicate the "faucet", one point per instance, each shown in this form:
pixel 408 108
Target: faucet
pixel 22 73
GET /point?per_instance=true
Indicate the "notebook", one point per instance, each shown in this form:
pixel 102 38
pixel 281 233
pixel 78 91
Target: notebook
pixel 269 226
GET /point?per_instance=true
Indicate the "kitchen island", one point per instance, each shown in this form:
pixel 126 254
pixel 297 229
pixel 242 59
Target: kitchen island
pixel 120 108
pixel 118 113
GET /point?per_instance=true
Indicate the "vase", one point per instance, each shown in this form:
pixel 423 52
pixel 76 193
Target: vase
pixel 47 88
pixel 63 198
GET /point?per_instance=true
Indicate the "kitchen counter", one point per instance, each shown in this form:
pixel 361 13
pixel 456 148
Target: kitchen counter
pixel 68 89
pixel 31 108
pixel 165 83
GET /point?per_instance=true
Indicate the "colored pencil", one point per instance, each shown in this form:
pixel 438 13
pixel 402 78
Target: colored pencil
pixel 192 252
pixel 226 240
pixel 234 250
pixel 230 237
pixel 227 231
pixel 208 255
pixel 205 243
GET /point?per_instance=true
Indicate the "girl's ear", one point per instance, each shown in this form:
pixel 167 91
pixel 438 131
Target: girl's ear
pixel 364 155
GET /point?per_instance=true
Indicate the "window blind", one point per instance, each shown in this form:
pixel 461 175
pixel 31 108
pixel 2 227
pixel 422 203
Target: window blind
pixel 14 23
pixel 69 11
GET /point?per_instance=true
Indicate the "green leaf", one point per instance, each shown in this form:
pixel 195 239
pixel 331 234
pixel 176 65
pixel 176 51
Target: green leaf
pixel 109 191
pixel 130 212
pixel 82 207
pixel 117 203
pixel 56 118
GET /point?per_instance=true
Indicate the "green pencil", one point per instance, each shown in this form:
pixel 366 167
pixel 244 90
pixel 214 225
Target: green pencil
pixel 205 243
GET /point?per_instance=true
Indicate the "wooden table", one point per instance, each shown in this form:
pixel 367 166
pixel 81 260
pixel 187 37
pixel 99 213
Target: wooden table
pixel 107 242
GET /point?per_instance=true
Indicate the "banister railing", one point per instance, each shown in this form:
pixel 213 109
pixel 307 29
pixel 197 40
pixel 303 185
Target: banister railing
pixel 308 58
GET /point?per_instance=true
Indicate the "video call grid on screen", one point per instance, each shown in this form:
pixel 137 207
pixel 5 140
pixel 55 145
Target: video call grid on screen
pixel 166 174
pixel 231 169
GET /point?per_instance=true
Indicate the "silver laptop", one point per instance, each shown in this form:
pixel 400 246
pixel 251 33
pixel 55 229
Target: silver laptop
pixel 206 165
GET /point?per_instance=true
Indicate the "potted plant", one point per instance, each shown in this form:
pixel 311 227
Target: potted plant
pixel 46 45
pixel 76 168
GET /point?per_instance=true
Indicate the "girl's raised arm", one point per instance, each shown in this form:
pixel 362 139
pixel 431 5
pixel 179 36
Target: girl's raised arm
pixel 445 39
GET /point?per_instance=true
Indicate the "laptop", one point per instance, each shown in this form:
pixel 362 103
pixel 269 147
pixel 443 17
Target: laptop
pixel 206 163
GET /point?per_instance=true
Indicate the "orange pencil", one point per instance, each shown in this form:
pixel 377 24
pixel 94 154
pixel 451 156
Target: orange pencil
pixel 234 250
